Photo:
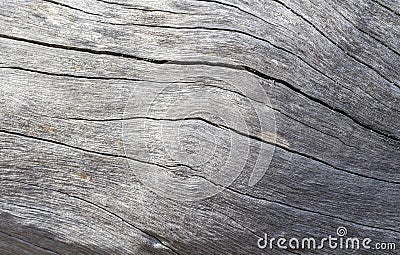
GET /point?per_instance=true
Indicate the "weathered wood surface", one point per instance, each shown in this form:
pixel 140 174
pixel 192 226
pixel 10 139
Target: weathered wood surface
pixel 98 95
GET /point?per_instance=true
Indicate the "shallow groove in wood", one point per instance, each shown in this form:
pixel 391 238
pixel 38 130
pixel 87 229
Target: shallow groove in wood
pixel 29 243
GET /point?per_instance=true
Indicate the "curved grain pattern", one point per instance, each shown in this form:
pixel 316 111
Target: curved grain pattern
pixel 101 100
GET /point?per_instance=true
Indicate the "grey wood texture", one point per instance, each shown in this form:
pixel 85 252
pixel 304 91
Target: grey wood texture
pixel 76 139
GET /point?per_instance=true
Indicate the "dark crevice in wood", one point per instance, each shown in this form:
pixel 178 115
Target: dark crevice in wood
pixel 228 188
pixel 244 11
pixel 152 237
pixel 248 34
pixel 97 14
pixel 230 30
pixel 216 184
pixel 281 112
pixel 87 50
pixel 150 118
pixel 115 216
pixel 253 137
pixel 183 82
pixel 29 243
pixel 337 45
pixel 365 126
pixel 299 208
pixel 238 31
pixel 301 154
pixel 105 78
pixel 231 91
pixel 31 208
pixel 237 8
pixel 257 38
pixel 71 7
pixel 105 154
pixel 231 66
pixel 364 32
pixel 132 7
pixel 385 7
pixel 70 75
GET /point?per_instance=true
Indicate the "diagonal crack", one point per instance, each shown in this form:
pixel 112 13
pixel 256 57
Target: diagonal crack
pixel 231 189
pixel 133 7
pixel 105 78
pixel 335 109
pixel 71 7
pixel 103 209
pixel 131 79
pixel 364 32
pixel 207 63
pixel 248 34
pixel 247 12
pixel 69 75
pixel 257 38
pixel 385 7
pixel 337 45
pixel 105 154
pixel 253 137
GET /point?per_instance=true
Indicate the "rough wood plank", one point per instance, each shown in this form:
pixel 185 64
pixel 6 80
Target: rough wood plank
pixel 120 119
